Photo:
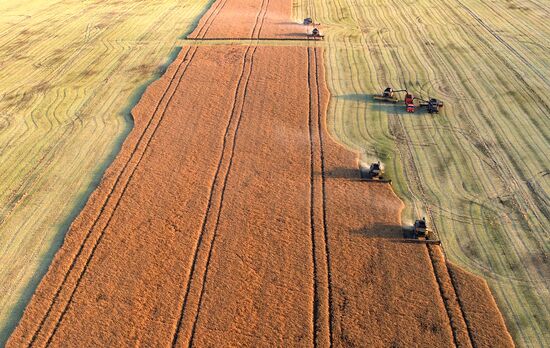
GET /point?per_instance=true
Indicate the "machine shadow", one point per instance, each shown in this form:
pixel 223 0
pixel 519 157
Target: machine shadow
pixel 395 233
pixel 343 173
pixel 392 233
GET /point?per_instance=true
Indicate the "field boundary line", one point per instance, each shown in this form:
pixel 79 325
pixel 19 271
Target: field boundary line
pixel 102 233
pixel 108 199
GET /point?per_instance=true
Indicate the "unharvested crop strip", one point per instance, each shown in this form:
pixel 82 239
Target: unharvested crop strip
pixel 243 80
pixel 205 276
pixel 198 247
pixel 459 300
pixel 110 195
pixel 246 39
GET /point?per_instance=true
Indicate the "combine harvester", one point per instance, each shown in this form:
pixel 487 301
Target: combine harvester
pixel 373 173
pixel 420 233
pixel 432 105
pixel 315 32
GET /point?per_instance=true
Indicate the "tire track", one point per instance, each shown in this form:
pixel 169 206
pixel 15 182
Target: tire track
pixel 315 308
pixel 510 49
pixel 323 316
pixel 110 195
pixel 203 241
pixel 204 236
pixel 118 200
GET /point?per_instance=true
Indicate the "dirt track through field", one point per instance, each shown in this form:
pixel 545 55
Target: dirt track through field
pixel 231 217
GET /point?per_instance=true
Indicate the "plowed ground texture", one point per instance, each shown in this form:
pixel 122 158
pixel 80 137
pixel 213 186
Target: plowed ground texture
pixel 231 217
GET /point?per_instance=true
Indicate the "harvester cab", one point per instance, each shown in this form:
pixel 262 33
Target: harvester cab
pixel 375 170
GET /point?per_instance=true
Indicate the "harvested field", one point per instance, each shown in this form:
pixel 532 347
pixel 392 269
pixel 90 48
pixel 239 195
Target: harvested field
pixel 479 169
pixel 231 217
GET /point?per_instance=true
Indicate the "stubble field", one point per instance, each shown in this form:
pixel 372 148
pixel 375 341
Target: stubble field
pixel 478 170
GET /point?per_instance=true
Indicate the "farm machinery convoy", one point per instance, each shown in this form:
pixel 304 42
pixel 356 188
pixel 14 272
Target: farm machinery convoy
pixel 432 105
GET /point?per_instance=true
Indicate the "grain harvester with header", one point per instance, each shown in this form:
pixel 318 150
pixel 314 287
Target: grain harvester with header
pixel 373 173
pixel 419 233
pixel 420 229
pixel 316 33
pixel 388 95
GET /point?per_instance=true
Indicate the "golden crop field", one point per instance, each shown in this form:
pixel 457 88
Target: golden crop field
pixel 480 169
pixel 70 71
